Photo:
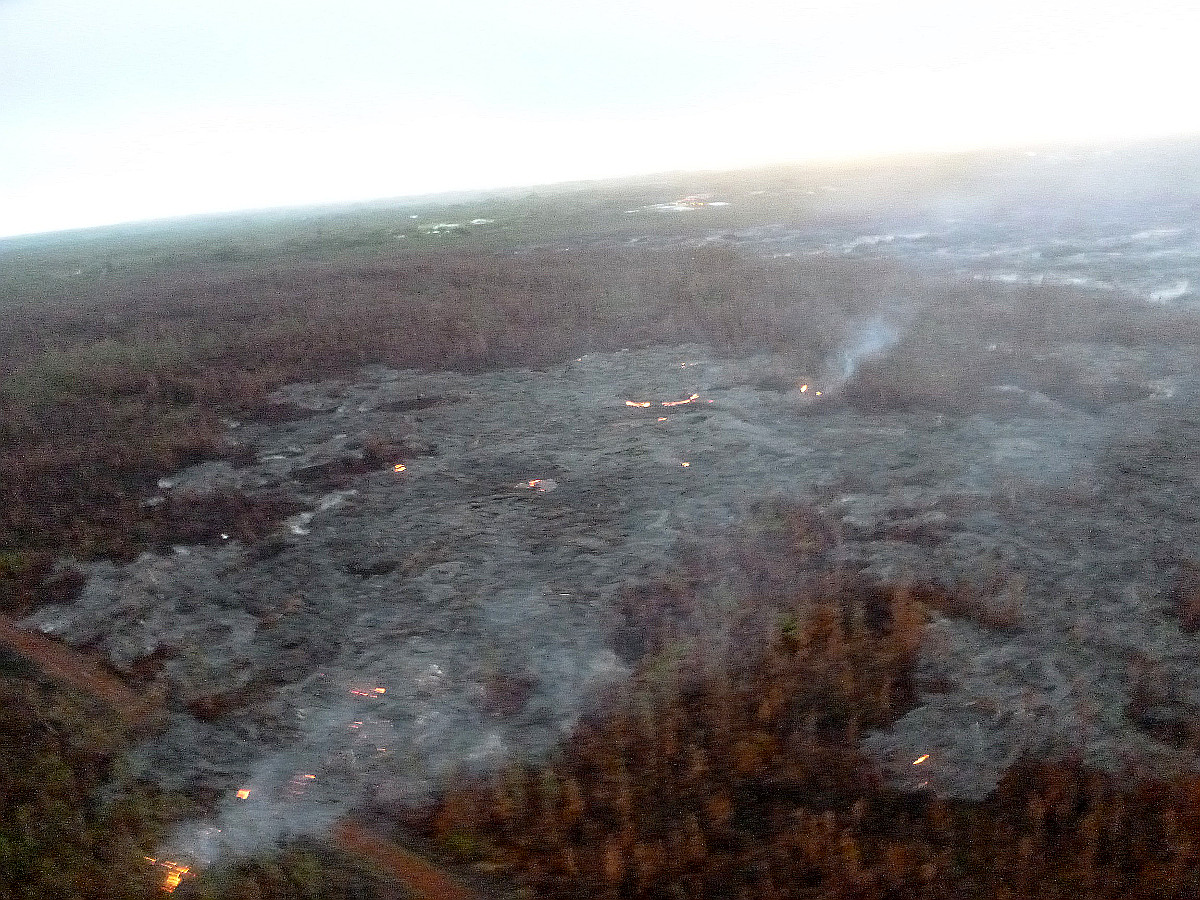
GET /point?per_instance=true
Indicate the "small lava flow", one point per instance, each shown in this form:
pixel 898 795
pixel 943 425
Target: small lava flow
pixel 458 608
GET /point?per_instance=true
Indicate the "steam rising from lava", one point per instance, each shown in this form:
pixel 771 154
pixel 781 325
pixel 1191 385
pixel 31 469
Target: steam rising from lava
pixel 873 337
pixel 868 339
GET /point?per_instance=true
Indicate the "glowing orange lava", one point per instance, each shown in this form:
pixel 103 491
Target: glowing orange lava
pixel 638 404
pixel 173 873
pixel 804 388
pixel 399 467
pixel 920 759
pixel 691 399
pixel 243 793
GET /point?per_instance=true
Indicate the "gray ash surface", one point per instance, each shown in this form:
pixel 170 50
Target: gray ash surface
pixel 461 610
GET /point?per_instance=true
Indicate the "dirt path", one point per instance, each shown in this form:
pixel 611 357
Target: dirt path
pixel 78 670
pixel 426 881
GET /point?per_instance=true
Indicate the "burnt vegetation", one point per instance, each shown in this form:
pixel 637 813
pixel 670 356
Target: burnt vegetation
pixel 729 765
pixel 71 823
pixel 968 339
pixel 735 772
pixel 109 387
pixel 112 381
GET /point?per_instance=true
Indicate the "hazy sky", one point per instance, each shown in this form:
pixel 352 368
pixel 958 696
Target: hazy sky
pixel 132 109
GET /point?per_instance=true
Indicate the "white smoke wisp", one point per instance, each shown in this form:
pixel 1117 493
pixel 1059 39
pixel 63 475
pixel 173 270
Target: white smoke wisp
pixel 872 338
pixel 300 790
pixel 282 801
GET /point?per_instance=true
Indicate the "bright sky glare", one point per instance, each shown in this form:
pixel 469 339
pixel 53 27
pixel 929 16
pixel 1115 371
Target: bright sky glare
pixel 137 109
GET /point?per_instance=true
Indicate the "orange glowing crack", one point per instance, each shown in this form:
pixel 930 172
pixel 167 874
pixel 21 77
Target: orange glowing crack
pixel 173 879
pixel 639 404
pixel 691 399
pixel 920 759
pixel 243 793
pixel 399 467
pixel 173 873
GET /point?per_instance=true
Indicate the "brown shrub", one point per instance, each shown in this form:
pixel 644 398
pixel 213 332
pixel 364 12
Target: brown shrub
pixel 744 780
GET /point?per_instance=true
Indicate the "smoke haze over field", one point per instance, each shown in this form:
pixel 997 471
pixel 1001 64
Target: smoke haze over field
pixel 133 110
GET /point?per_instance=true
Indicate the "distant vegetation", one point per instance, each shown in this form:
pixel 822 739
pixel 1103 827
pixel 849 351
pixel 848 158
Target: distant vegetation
pixel 110 382
pixel 714 775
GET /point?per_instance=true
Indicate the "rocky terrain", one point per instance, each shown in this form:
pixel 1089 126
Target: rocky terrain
pixel 459 605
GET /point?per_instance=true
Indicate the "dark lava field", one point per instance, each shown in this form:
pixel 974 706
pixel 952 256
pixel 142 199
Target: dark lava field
pixel 463 604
